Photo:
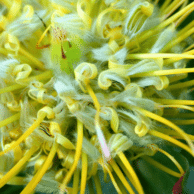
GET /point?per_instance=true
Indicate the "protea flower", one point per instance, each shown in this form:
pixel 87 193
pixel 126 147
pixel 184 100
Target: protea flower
pixel 92 90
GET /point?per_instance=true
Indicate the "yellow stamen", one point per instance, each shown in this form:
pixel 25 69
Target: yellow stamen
pixel 161 167
pixel 41 38
pixel 120 185
pixel 173 60
pixel 173 6
pixel 16 180
pixel 183 17
pixel 107 168
pixel 181 85
pixel 11 88
pixel 178 106
pixel 147 34
pixel 170 139
pixel 84 172
pixel 178 40
pixel 177 78
pixel 173 160
pixel 172 101
pixel 174 17
pixel 126 172
pixel 14 9
pixel 164 6
pixel 164 72
pixel 26 134
pixel 35 61
pixel 121 176
pixel 184 122
pixel 9 120
pixel 77 156
pixel 94 98
pixel 36 179
pixel 16 169
pixel 76 181
pixel 131 171
pixel 43 76
pixel 159 55
pixel 40 77
pixel 97 184
pixel 170 124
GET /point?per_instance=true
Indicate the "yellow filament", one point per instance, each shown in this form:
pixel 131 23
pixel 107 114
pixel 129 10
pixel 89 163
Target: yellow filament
pixel 174 17
pixel 170 124
pixel 165 5
pixel 41 38
pixel 146 35
pixel 77 156
pixel 131 171
pixel 120 185
pixel 181 85
pixel 126 172
pixel 10 88
pixel 121 176
pixel 9 120
pixel 84 172
pixel 171 8
pixel 184 122
pixel 43 76
pixel 182 18
pixel 35 61
pixel 173 160
pixel 178 106
pixel 170 139
pixel 161 167
pixel 16 180
pixel 165 72
pixel 107 168
pixel 177 78
pixel 76 181
pixel 36 179
pixel 171 101
pixel 26 134
pixel 94 98
pixel 97 184
pixel 15 170
pixel 159 55
pixel 178 40
pixel 14 10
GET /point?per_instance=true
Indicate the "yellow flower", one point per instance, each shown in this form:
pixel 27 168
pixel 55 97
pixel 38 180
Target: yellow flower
pixel 90 86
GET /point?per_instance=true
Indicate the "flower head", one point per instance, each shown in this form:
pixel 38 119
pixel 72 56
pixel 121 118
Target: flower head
pixel 90 87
